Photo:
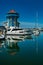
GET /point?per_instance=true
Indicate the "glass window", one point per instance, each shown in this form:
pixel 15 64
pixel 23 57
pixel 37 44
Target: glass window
pixel 16 29
pixel 9 29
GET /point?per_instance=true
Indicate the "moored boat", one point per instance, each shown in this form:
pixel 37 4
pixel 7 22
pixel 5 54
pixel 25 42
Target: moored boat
pixel 36 32
pixel 17 31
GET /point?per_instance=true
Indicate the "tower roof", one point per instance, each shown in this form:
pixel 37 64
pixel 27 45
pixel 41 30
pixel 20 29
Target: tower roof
pixel 12 11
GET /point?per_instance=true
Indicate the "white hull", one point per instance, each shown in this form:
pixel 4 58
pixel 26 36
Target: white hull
pixel 36 32
pixel 17 32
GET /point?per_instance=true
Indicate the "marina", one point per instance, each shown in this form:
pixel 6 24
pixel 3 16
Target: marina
pixel 12 27
pixel 21 32
pixel 20 46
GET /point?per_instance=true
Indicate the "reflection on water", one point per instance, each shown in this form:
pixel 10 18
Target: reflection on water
pixel 11 46
pixel 19 37
pixel 11 43
pixel 22 50
pixel 36 43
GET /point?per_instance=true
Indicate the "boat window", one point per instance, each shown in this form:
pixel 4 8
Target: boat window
pixel 21 32
pixel 16 29
pixel 9 29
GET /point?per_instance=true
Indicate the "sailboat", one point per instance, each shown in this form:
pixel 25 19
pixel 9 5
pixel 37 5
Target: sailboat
pixel 36 31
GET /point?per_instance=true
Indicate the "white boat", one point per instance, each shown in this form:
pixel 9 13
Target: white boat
pixel 17 31
pixel 36 32
pixel 2 36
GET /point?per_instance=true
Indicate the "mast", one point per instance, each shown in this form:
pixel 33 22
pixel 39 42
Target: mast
pixel 36 22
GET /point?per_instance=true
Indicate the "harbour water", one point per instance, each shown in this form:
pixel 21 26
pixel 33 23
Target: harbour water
pixel 28 51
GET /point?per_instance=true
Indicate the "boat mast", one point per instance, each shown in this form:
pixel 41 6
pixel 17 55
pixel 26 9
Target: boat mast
pixel 36 22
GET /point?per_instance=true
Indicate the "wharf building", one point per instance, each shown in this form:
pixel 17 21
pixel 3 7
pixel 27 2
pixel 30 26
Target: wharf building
pixel 12 19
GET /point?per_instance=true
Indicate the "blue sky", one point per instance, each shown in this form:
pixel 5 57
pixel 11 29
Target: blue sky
pixel 26 8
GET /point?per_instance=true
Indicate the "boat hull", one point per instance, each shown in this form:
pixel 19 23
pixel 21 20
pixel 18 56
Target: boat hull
pixel 18 34
pixel 36 33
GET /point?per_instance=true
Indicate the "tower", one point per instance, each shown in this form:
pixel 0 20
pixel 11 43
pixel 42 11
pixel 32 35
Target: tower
pixel 12 17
